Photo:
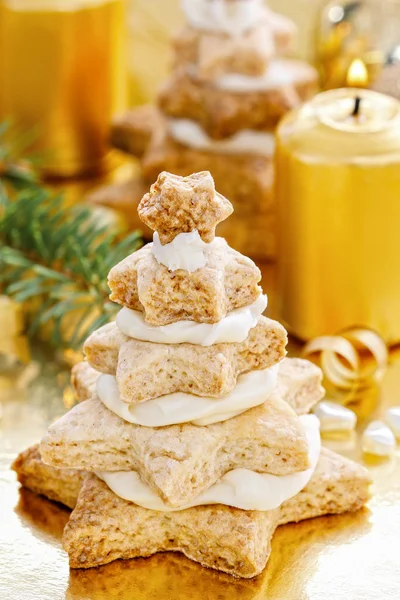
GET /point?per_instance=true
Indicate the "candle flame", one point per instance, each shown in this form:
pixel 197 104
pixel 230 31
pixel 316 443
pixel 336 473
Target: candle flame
pixel 357 75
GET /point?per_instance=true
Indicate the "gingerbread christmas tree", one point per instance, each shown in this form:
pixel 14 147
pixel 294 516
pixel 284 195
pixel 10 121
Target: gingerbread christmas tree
pixel 193 435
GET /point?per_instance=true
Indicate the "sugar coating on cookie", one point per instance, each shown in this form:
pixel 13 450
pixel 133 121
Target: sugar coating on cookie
pixel 177 205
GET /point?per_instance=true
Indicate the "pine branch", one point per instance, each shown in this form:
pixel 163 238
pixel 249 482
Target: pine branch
pixel 57 256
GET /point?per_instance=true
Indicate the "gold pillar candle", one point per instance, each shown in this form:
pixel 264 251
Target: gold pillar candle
pixel 338 195
pixel 62 77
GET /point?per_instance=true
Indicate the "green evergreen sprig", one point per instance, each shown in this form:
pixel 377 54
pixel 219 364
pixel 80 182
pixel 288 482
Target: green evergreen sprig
pixel 58 254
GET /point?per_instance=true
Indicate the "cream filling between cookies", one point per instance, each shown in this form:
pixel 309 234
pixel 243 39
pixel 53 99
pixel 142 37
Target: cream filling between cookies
pixel 252 389
pixel 186 251
pixel 247 141
pixel 232 18
pixel 280 72
pixel 241 488
pixel 234 327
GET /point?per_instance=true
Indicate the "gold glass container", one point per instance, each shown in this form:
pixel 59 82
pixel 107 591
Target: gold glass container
pixel 62 77
pixel 338 191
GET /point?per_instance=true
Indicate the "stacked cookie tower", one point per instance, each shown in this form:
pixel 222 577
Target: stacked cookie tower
pixel 229 88
pixel 187 441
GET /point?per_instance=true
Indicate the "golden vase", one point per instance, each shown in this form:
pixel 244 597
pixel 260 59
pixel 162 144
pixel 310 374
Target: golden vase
pixel 62 77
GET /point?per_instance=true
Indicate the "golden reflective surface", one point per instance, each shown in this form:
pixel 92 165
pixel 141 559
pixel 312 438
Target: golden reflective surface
pixel 354 556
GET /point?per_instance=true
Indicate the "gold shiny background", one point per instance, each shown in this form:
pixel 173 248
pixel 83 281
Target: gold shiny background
pixel 348 557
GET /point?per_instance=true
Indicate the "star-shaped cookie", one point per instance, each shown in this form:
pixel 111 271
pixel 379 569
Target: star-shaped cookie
pixel 229 280
pixel 299 383
pixel 103 527
pixel 215 54
pixel 177 205
pixel 178 462
pixel 145 370
pixel 223 112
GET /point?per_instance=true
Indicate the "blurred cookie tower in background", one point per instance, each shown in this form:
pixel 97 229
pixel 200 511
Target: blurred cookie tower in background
pixel 231 83
pixel 151 24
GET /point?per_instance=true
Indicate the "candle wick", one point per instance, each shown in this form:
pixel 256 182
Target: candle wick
pixel 357 105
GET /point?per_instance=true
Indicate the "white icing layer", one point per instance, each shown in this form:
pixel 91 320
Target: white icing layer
pixel 246 141
pixel 252 389
pixel 232 18
pixel 234 327
pixel 280 72
pixel 186 251
pixel 240 488
pixel 335 417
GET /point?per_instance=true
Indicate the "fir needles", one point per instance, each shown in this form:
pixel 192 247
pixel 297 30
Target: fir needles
pixel 57 259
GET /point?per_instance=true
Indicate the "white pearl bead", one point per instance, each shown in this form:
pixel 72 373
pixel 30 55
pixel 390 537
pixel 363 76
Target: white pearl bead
pixel 335 417
pixel 392 418
pixel 378 439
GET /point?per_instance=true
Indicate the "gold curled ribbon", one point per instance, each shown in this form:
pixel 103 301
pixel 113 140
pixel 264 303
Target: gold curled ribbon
pixel 352 359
